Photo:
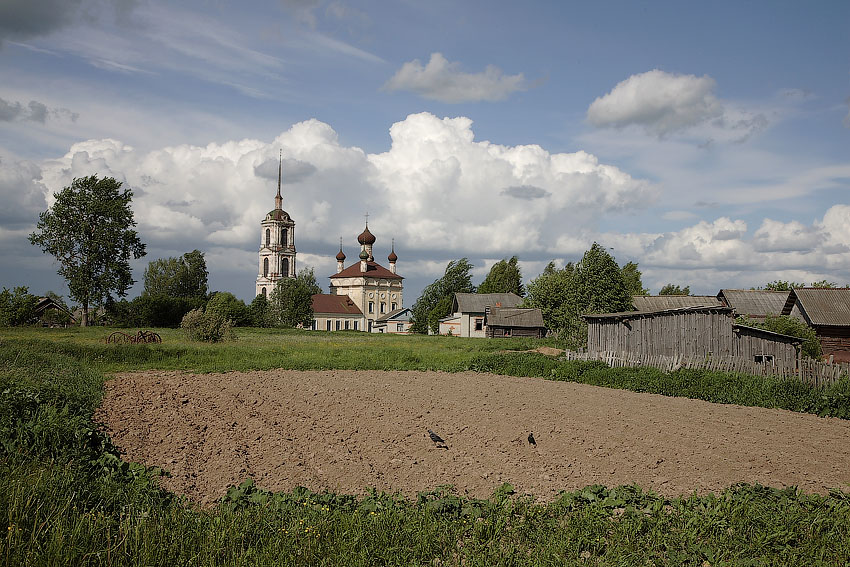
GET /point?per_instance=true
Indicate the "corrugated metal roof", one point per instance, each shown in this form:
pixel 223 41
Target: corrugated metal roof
pixel 661 302
pixel 515 317
pixel 768 334
pixel 754 302
pixel 821 306
pixel 337 304
pixel 479 302
pixel 398 315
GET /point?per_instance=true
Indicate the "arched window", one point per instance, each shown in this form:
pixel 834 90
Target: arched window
pixel 285 268
pixel 264 292
pixel 268 237
pixel 283 240
pixel 265 267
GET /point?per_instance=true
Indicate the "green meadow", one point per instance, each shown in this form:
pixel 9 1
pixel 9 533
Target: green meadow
pixel 68 498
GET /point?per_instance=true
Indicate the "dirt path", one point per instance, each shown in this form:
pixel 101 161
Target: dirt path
pixel 346 431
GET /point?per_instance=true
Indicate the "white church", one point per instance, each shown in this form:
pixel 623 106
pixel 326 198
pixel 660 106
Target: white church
pixel 364 296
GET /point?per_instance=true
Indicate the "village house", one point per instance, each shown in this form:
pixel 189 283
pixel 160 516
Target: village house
pixel 336 313
pixel 827 311
pixel 662 302
pixel 514 322
pixel 754 304
pixel 469 310
pixel 396 322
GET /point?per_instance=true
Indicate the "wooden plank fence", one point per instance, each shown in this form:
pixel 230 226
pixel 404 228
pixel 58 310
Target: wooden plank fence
pixel 810 371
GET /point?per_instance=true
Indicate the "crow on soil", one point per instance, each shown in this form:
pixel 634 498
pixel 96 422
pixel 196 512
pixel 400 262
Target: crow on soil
pixel 531 440
pixel 437 440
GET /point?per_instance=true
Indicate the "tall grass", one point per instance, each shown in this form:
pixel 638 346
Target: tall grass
pixel 66 497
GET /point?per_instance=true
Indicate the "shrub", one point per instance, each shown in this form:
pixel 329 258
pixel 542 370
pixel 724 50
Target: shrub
pixel 230 307
pixel 207 326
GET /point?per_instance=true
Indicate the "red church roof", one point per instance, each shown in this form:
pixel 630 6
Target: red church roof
pixel 373 270
pixel 342 304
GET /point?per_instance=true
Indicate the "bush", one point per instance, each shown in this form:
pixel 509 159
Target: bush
pixel 17 307
pixel 230 307
pixel 206 326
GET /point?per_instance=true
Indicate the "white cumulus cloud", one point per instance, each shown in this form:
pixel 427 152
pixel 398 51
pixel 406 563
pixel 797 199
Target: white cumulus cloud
pixel 443 80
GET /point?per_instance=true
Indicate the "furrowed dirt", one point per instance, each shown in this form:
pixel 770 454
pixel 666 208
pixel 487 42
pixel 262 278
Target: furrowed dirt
pixel 347 431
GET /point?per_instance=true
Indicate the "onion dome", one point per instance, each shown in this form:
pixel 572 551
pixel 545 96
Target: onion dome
pixel 366 237
pixel 364 255
pixel 392 257
pixel 340 257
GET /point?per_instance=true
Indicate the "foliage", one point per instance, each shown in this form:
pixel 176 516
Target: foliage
pixel 259 309
pixel 88 231
pixel 291 302
pixel 17 307
pixel 200 325
pixel 230 307
pixel 823 284
pixel 787 325
pixel 632 275
pixel 595 285
pixel 437 297
pixel 185 276
pixel 782 285
pixel 504 277
pixel 57 317
pixel 151 310
pixel 671 289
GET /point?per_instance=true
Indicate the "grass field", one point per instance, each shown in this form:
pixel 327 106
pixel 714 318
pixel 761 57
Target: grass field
pixel 68 499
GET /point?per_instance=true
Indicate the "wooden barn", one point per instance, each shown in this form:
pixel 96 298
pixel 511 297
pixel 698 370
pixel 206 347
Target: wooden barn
pixel 827 311
pixel 514 322
pixel 688 331
pixel 753 303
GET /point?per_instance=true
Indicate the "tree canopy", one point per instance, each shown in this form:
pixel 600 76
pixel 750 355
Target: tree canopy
pixel 89 232
pixel 437 298
pixel 185 276
pixel 671 289
pixel 230 308
pixel 17 307
pixel 504 277
pixel 632 275
pixel 291 302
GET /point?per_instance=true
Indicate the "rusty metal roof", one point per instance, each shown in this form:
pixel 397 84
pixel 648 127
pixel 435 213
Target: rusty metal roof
pixel 821 306
pixel 515 317
pixel 662 302
pixel 756 303
pixel 336 304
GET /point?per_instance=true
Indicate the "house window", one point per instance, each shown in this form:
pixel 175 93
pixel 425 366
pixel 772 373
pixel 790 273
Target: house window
pixel 479 324
pixel 399 327
pixel 283 235
pixel 329 324
pixel 268 236
pixel 383 307
pixel 355 325
pixel 337 324
pixel 371 307
pixel 346 324
pixel 285 268
pixel 394 306
pixel 764 358
pixel 265 267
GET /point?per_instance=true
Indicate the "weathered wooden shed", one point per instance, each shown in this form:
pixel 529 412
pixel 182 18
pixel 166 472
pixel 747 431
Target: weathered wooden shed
pixel 753 303
pixel 688 331
pixel 827 311
pixel 514 322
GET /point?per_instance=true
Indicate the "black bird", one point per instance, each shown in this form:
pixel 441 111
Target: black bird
pixel 531 440
pixel 437 439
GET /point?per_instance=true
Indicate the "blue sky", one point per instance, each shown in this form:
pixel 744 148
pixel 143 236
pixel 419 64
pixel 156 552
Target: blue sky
pixel 710 143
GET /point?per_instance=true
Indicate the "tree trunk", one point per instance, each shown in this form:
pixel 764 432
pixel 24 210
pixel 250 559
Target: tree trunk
pixel 84 322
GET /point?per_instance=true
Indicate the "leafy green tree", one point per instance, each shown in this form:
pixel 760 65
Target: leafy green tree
pixel 437 297
pixel 229 307
pixel 671 289
pixel 823 284
pixel 17 307
pixel 781 285
pixel 792 326
pixel 632 275
pixel 504 277
pixel 89 232
pixel 548 292
pixel 260 311
pixel 291 301
pixel 185 276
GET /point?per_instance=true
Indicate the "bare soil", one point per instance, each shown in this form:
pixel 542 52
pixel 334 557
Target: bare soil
pixel 347 431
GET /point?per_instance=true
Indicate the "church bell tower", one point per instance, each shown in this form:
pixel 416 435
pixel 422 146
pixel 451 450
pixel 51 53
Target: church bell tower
pixel 277 243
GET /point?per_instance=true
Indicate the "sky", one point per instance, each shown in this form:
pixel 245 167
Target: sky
pixel 708 142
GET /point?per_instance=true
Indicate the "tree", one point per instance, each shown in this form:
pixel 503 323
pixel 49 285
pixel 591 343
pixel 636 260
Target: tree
pixel 437 298
pixel 823 284
pixel 230 308
pixel 781 285
pixel 633 279
pixel 178 277
pixel 291 301
pixel 504 277
pixel 260 311
pixel 17 307
pixel 671 289
pixel 88 231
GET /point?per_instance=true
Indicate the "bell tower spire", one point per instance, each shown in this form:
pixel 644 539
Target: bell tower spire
pixel 278 200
